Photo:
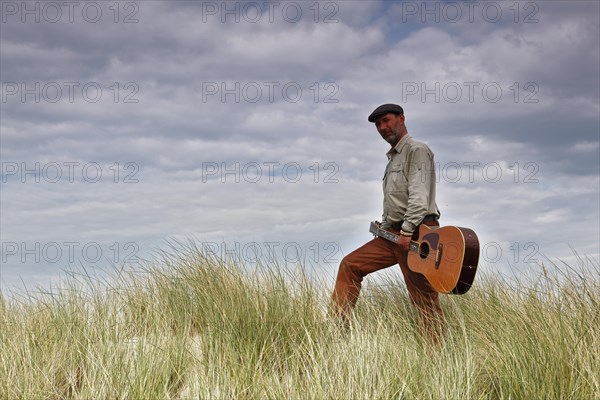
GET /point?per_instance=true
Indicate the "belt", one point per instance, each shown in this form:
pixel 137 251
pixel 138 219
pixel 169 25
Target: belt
pixel 430 217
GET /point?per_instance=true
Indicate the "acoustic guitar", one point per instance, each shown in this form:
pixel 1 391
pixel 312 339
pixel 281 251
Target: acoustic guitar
pixel 447 256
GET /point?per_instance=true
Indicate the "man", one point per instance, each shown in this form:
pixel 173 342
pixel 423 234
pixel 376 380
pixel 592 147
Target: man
pixel 408 201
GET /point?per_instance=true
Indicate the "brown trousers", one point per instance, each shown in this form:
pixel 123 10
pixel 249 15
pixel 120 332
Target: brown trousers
pixel 374 256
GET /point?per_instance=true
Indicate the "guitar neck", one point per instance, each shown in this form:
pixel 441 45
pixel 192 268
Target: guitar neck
pixel 392 237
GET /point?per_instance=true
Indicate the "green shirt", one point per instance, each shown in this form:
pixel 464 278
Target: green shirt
pixel 409 184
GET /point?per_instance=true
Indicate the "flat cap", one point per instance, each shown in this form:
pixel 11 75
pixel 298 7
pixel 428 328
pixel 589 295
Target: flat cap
pixel 385 109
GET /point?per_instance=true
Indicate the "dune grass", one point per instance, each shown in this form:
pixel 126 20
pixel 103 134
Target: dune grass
pixel 193 326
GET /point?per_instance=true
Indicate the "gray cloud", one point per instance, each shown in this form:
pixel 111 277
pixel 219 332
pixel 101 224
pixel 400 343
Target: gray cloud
pixel 173 130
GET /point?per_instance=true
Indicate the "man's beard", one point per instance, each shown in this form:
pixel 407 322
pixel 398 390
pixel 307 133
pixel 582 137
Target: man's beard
pixel 394 137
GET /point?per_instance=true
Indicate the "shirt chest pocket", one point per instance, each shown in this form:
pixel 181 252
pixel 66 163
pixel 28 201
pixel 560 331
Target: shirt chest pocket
pixel 395 180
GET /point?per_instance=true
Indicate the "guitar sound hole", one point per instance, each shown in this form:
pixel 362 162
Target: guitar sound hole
pixel 424 250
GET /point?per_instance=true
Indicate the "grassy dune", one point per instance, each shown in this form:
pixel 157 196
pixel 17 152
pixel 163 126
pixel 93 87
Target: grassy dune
pixel 195 327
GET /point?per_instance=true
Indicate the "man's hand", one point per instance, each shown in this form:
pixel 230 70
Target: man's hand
pixel 404 243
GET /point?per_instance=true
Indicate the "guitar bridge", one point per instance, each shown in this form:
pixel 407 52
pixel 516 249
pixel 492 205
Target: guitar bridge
pixel 438 256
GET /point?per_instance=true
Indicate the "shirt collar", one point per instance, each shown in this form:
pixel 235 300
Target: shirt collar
pixel 398 147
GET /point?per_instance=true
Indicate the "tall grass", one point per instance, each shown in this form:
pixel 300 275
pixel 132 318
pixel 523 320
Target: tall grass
pixel 193 326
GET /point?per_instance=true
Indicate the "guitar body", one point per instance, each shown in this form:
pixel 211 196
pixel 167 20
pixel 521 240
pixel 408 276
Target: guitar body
pixel 447 256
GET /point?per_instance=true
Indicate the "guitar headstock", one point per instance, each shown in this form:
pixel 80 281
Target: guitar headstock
pixel 374 228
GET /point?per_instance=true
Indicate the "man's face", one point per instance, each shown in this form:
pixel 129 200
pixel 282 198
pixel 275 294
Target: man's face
pixel 389 127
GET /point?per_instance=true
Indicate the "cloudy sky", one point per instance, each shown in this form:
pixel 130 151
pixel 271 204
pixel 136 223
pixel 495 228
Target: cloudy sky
pixel 243 126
